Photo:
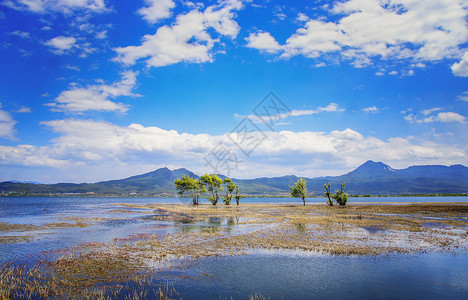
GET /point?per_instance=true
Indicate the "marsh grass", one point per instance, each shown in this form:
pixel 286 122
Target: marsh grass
pixel 125 267
pixel 68 222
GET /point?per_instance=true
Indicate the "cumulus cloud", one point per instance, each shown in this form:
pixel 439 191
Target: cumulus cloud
pixel 302 17
pixel 87 142
pixel 189 39
pixel 365 30
pixel 156 10
pixel 28 155
pixel 61 44
pixel 263 41
pixel 96 97
pixel 64 6
pixel 7 125
pixel 461 68
pixel 447 117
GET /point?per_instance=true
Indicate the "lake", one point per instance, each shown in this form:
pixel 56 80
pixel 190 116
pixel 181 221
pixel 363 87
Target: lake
pixel 54 225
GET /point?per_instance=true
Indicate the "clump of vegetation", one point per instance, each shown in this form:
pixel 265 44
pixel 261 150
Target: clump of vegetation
pixel 191 186
pixel 207 183
pixel 214 185
pixel 328 194
pixel 238 195
pixel 340 196
pixel 299 189
pixel 230 187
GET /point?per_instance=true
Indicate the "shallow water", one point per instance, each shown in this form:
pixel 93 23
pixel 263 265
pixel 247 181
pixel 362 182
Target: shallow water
pixel 274 274
pixel 298 275
pixel 118 222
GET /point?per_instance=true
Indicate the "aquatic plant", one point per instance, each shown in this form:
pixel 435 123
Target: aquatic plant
pixel 299 189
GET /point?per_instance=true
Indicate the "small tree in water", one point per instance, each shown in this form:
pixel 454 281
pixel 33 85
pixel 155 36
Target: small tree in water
pixel 328 194
pixel 340 196
pixel 193 187
pixel 238 195
pixel 299 189
pixel 230 186
pixel 214 185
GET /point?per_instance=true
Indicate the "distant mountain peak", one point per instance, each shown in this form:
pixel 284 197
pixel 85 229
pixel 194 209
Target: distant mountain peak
pixel 181 170
pixel 373 166
pixel 371 169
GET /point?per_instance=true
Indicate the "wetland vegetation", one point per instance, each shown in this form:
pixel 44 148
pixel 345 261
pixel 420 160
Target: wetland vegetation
pixel 172 238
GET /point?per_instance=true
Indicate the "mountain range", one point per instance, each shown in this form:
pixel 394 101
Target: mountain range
pixel 369 178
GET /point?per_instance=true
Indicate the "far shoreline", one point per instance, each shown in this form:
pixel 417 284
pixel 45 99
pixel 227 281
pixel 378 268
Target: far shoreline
pixel 82 195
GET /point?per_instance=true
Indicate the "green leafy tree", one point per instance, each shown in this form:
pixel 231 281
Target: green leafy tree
pixel 230 187
pixel 299 189
pixel 328 194
pixel 341 197
pixel 214 186
pixel 190 186
pixel 238 195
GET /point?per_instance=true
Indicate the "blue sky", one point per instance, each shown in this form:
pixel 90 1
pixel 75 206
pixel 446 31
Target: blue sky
pixel 93 90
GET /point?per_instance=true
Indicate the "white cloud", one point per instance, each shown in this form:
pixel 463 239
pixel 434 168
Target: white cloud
pixel 64 6
pixel 187 40
pixel 101 35
pixel 430 110
pixel 156 10
pixel 315 38
pixel 7 125
pixel 86 142
pixel 302 17
pixel 71 67
pixel 96 97
pixel 444 117
pixel 400 30
pixel 448 117
pixel 281 16
pixel 61 44
pixel 263 41
pixel 371 109
pixel 332 107
pixel 461 68
pixel 28 155
pixel 21 34
pixel 463 96
pixel 23 109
